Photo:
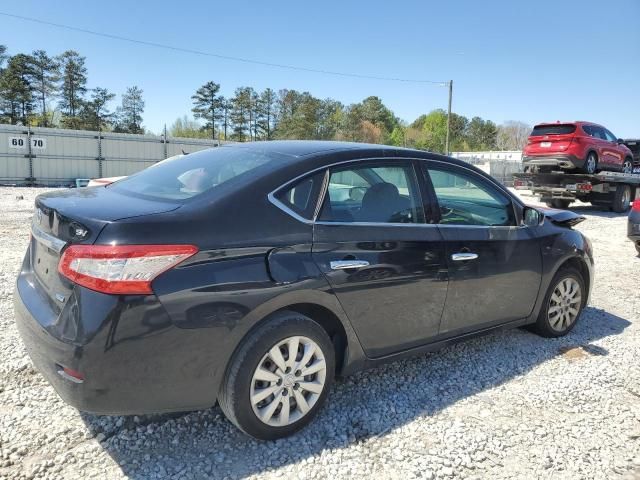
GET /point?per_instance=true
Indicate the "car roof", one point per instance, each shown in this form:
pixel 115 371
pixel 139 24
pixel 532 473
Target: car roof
pixel 572 122
pixel 301 148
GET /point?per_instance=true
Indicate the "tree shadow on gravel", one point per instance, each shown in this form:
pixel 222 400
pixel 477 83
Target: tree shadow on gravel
pixel 369 404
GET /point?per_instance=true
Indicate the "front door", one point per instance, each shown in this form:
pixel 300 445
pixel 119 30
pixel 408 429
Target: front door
pixel 386 265
pixel 495 265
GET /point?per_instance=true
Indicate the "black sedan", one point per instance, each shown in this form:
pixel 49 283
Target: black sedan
pixel 251 274
pixel 633 230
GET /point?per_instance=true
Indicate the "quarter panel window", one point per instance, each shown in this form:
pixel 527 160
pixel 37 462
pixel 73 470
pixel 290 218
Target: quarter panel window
pixel 302 196
pixel 465 199
pixel 373 193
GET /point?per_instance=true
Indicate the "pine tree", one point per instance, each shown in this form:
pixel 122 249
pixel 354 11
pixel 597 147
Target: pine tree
pixel 16 89
pixel 207 105
pixel 73 88
pixel 130 112
pixel 46 76
pixel 96 114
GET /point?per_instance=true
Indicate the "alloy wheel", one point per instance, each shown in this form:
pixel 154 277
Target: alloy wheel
pixel 564 304
pixel 288 381
pixel 591 164
pixel 627 166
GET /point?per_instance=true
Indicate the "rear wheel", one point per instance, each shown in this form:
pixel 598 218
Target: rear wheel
pixel 279 377
pixel 622 199
pixel 627 165
pixel 562 305
pixel 591 163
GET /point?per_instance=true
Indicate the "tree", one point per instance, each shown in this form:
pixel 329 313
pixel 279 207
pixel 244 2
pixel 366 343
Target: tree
pixel 226 109
pixel 73 88
pixel 186 127
pixel 46 75
pixel 3 56
pixel 130 112
pixel 240 113
pixel 512 135
pixel 95 112
pixel 481 134
pixel 208 105
pixel 266 113
pixel 16 89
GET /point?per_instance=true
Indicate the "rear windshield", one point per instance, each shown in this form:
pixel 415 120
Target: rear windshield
pixel 563 129
pixel 184 177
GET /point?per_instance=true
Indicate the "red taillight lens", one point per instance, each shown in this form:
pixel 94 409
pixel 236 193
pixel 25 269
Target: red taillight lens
pixel 121 269
pixel 635 206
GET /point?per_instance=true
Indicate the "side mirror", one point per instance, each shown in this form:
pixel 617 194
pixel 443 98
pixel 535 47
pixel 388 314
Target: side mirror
pixel 533 217
pixel 620 141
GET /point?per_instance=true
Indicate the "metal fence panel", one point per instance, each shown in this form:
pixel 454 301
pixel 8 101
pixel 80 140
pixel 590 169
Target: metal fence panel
pixel 51 156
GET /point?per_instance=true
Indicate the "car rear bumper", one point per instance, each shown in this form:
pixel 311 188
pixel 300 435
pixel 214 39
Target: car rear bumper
pixel 133 359
pixel 560 161
pixel 633 227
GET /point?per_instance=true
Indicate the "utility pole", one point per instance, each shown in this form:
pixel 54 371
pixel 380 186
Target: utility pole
pixel 446 147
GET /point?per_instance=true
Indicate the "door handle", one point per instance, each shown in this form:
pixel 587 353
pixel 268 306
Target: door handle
pixel 461 257
pixel 347 264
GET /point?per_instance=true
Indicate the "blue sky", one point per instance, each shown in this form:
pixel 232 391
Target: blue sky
pixel 509 60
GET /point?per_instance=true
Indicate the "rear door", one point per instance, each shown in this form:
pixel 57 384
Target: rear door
pixel 494 263
pixel 601 144
pixel 384 261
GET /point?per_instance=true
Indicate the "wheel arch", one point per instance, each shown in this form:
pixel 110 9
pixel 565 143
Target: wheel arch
pixel 324 309
pixel 579 264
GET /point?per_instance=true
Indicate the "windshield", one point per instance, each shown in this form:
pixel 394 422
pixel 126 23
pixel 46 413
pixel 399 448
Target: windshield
pixel 184 177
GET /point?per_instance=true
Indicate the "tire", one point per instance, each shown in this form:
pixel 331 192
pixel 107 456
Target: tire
pixel 560 203
pixel 590 164
pixel 627 165
pixel 254 353
pixel 621 199
pixel 638 247
pixel 550 322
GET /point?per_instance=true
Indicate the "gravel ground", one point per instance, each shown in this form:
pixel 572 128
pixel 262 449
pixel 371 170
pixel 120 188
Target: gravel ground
pixel 508 405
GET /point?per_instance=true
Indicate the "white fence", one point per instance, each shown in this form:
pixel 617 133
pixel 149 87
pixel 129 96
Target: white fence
pixel 50 156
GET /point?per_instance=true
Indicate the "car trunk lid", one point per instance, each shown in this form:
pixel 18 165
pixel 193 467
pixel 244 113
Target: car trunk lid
pixel 77 216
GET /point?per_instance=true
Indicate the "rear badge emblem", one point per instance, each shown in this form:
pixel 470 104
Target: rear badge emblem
pixel 60 298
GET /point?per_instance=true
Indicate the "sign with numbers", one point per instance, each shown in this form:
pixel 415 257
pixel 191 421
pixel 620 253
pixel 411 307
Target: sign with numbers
pixel 20 143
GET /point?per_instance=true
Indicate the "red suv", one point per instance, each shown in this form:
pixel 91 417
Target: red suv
pixel 575 145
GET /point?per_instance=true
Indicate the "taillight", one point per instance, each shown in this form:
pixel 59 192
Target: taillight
pixel 635 206
pixel 121 269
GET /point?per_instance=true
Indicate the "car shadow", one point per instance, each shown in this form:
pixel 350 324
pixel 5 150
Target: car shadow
pixel 365 405
pixel 596 211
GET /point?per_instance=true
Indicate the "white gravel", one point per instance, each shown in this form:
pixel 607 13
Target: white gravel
pixel 509 405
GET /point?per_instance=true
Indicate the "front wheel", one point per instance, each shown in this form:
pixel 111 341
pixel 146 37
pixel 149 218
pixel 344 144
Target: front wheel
pixel 627 166
pixel 279 377
pixel 562 305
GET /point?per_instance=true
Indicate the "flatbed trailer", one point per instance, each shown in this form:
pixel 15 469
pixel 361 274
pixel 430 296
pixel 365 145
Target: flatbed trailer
pixel 611 190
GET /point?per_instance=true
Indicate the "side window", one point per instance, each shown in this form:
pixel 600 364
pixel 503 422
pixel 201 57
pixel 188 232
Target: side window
pixel 610 136
pixel 302 196
pixel 588 129
pixel 598 132
pixel 373 193
pixel 466 199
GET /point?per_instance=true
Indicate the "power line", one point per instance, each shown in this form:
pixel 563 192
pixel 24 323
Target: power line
pixel 217 55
